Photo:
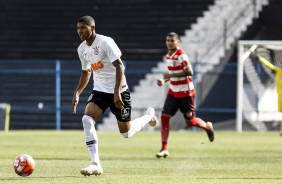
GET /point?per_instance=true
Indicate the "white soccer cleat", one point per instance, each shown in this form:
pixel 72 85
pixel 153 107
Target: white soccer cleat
pixel 162 153
pixel 154 120
pixel 92 170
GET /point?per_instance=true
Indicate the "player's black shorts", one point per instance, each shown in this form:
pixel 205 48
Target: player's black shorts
pixel 186 106
pixel 105 100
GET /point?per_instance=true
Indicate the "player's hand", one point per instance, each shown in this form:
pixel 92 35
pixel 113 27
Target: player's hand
pixel 160 82
pixel 75 101
pixel 118 102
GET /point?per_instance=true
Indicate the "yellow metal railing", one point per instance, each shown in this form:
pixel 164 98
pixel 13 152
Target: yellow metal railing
pixel 7 118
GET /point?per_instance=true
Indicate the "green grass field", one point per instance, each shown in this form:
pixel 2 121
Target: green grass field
pixel 248 157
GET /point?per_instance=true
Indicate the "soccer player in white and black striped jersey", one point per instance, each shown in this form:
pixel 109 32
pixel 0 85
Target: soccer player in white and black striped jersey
pixel 180 94
pixel 101 56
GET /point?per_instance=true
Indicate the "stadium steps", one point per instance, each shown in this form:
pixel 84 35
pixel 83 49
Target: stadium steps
pixel 205 41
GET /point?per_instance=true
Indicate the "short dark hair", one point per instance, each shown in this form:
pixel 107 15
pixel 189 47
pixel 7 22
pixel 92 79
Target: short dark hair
pixel 173 34
pixel 88 20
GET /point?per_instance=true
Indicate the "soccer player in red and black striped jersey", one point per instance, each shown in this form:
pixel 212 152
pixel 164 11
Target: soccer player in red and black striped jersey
pixel 180 94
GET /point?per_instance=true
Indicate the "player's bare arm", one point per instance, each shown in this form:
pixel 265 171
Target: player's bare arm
pixel 119 75
pixel 267 64
pixel 166 76
pixel 186 72
pixel 83 81
pixel 263 61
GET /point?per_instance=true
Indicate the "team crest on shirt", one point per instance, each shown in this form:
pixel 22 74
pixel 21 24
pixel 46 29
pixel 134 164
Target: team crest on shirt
pixel 96 50
pixel 124 113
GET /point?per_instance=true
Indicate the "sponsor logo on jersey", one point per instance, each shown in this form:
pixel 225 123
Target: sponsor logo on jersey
pixel 97 66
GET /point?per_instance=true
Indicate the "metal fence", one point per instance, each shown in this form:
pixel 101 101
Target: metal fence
pixel 59 70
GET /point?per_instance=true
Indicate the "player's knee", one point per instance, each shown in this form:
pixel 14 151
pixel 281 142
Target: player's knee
pixel 189 116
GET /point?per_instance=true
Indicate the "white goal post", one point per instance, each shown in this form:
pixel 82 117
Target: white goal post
pixel 256 84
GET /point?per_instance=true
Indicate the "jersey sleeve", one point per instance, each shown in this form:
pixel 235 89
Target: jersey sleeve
pixel 84 64
pixel 184 60
pixel 111 49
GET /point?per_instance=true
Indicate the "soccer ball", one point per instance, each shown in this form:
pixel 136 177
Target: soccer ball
pixel 24 165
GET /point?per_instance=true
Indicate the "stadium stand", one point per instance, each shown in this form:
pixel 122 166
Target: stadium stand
pixel 46 30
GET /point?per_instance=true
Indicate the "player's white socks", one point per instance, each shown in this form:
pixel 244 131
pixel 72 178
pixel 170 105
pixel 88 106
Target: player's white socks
pixel 91 138
pixel 137 124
